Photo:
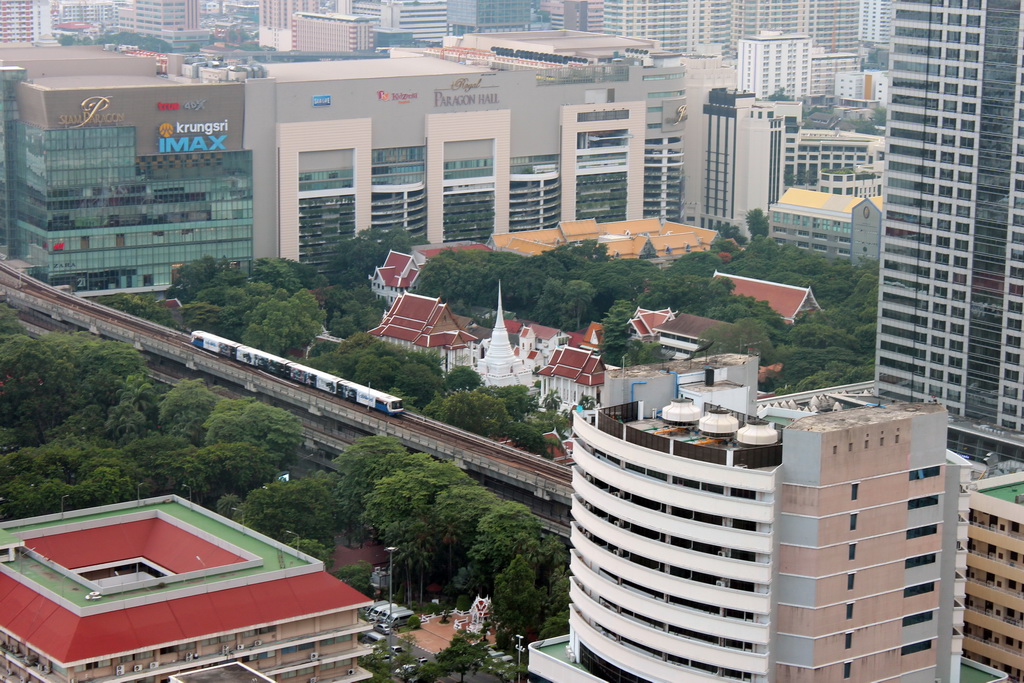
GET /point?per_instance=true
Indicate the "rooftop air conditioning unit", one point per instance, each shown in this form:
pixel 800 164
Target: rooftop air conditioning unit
pixel 154 665
pixel 137 667
pixel 119 670
pixel 189 656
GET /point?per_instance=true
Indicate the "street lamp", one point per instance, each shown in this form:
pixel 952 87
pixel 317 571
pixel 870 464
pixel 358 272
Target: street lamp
pixel 189 492
pixel 391 603
pixel 62 504
pixel 519 655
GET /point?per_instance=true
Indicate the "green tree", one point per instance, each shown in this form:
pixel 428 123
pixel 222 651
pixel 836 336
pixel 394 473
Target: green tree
pixel 10 323
pixel 757 223
pixel 254 422
pixel 360 467
pixel 516 605
pixel 300 507
pixel 141 305
pixel 506 530
pixel 357 575
pixel 462 378
pixel 464 655
pixel 475 411
pixel 616 332
pixel 185 408
pixel 192 278
pixel 286 274
pixel 284 322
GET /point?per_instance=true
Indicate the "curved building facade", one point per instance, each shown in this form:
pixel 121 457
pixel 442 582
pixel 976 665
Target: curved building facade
pixel 710 545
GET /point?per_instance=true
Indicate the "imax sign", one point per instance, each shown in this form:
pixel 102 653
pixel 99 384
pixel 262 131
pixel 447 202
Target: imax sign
pixel 170 142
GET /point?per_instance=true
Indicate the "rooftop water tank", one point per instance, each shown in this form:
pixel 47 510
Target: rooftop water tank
pixel 681 411
pixel 757 433
pixel 719 422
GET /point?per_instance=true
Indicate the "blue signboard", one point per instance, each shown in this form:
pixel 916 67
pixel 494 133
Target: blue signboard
pixel 321 100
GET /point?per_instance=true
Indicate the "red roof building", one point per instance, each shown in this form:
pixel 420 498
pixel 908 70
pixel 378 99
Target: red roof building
pixel 643 323
pixel 394 278
pixel 143 590
pixel 422 323
pixel 786 300
pixel 573 373
pixel 683 333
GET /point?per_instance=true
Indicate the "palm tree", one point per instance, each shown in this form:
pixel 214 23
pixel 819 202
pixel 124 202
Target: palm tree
pixel 588 402
pixel 552 400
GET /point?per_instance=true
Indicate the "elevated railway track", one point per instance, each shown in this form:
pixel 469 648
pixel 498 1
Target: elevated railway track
pixel 329 423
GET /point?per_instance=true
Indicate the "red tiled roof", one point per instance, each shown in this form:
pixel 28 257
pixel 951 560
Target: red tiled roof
pixel 154 539
pixel 65 637
pixel 786 300
pixel 581 366
pixel 543 331
pixel 399 271
pixel 644 321
pixel 422 321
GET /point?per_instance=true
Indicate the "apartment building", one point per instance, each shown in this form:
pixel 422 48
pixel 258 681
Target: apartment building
pixel 315 32
pixel 424 20
pixel 140 591
pixel 276 21
pixel 173 21
pixel 710 545
pixel 25 21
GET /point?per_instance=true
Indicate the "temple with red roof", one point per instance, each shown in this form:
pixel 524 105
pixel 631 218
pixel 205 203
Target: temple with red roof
pixel 643 323
pixel 573 373
pixel 399 271
pixel 787 300
pixel 141 591
pixel 422 323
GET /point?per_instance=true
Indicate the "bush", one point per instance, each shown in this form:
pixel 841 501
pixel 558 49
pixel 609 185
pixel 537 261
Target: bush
pixel 413 623
pixel 463 603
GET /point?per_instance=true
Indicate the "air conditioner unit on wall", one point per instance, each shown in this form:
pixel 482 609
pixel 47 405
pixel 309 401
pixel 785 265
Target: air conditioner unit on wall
pixel 189 656
pixel 153 665
pixel 241 646
pixel 119 670
pixel 137 667
pixel 314 655
pixel 257 643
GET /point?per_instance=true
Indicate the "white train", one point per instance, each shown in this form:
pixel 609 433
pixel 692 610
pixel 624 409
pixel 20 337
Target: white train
pixel 280 367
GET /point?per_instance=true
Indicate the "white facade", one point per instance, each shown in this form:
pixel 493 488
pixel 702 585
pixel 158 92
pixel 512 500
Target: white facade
pixel 826 67
pixel 775 62
pixel 276 21
pixel 875 21
pixel 867 86
pixel 312 32
pixel 88 11
pixel 24 21
pixel 500 366
pixel 685 25
pixel 426 20
pixel 809 151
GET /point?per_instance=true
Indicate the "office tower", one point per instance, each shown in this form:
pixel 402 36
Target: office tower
pixel 952 282
pixel 773 63
pixel 743 167
pixel 707 549
pixel 277 21
pixel 488 16
pixel 23 21
pixel 174 21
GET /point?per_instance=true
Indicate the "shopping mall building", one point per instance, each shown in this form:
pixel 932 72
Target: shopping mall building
pixel 114 176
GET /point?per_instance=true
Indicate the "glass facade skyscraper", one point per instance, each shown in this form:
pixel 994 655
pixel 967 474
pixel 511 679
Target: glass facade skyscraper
pixel 114 188
pixel 952 264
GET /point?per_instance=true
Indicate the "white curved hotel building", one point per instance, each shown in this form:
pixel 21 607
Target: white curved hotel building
pixel 702 551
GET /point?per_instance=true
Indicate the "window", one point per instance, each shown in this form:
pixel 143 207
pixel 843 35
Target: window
pixel 849 640
pixel 849 610
pixel 919 561
pixel 920 531
pixel 919 589
pixel 852 551
pixel 923 502
pixel 854 490
pixel 918 618
pixel 849 582
pixel 853 523
pixel 847 669
pixel 916 647
pixel 924 473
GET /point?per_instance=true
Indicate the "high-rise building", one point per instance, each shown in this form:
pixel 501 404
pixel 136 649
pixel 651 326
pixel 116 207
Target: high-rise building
pixel 831 24
pixel 951 304
pixel 277 21
pixel 773 63
pixel 174 21
pixel 743 157
pixel 875 21
pixel 686 26
pixel 113 177
pixel 488 16
pixel 708 549
pixel 317 32
pixel 24 21
pixel 425 20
